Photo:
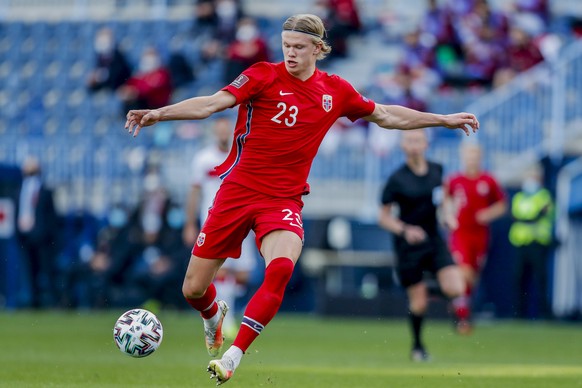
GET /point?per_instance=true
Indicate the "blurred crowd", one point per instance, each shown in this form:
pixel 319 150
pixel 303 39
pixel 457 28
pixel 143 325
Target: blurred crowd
pixel 468 45
pixel 132 256
pixel 222 31
pixel 137 255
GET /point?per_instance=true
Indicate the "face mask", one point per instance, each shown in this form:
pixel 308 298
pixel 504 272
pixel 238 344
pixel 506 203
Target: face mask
pixel 117 218
pixel 151 223
pixel 246 33
pixel 152 182
pixel 103 45
pixel 226 9
pixel 175 218
pixel 530 186
pixel 149 63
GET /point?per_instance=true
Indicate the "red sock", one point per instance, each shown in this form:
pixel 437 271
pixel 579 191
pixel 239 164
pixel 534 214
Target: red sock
pixel 461 306
pixel 265 303
pixel 206 304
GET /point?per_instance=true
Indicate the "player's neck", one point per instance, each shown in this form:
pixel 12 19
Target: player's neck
pixel 419 166
pixel 305 74
pixel 473 172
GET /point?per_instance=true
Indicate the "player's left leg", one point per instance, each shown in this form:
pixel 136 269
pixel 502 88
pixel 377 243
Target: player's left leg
pixel 453 287
pixel 281 250
pixel 452 281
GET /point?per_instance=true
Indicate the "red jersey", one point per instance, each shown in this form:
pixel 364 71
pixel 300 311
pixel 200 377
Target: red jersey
pixel 281 123
pixel 471 195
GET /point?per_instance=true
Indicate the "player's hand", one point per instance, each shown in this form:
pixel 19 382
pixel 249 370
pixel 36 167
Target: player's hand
pixel 414 234
pixel 451 223
pixel 137 119
pixel 483 217
pixel 464 121
pixel 189 235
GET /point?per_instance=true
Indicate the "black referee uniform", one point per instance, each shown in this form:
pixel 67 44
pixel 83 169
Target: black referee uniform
pixel 418 198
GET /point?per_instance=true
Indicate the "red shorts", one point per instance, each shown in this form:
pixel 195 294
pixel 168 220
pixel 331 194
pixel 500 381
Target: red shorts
pixel 237 210
pixel 469 248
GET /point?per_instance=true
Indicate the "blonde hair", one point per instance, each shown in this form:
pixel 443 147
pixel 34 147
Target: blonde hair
pixel 311 25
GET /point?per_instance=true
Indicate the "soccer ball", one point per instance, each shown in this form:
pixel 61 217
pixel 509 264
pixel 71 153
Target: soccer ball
pixel 138 333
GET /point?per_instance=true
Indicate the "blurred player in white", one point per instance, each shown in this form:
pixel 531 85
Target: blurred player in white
pixel 232 278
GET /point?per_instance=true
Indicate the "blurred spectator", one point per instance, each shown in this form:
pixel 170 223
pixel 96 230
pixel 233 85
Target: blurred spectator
pixel 181 71
pixel 150 87
pixel 116 244
pixel 538 8
pixel 37 234
pixel 228 13
pixel 205 18
pixel 412 89
pixel 247 48
pixel 471 26
pixel 522 54
pixel 162 263
pixel 531 235
pixel 437 23
pixel 220 20
pixel 459 8
pixel 483 57
pixel 416 53
pixel 140 259
pixel 111 67
pixel 78 236
pixel 341 19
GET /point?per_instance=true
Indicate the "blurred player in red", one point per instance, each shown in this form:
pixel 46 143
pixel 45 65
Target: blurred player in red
pixel 284 111
pixel 474 200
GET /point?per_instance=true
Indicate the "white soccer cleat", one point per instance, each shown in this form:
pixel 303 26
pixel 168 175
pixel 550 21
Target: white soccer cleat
pixel 213 337
pixel 222 370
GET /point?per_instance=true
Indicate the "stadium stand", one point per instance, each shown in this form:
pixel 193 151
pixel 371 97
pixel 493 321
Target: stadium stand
pixel 46 52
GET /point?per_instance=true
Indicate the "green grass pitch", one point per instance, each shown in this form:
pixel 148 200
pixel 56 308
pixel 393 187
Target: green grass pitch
pixel 59 349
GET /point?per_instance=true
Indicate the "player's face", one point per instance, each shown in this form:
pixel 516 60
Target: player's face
pixel 472 157
pixel 223 131
pixel 414 143
pixel 300 53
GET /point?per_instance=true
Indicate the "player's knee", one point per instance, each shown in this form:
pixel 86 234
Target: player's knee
pixel 452 290
pixel 193 291
pixel 419 306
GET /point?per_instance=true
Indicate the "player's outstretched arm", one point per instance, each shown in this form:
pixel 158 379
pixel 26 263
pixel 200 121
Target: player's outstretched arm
pixel 195 108
pixel 399 117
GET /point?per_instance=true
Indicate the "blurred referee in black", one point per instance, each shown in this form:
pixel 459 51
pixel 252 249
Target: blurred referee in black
pixel 410 201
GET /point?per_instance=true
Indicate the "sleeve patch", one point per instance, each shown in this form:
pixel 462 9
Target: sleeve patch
pixel 240 81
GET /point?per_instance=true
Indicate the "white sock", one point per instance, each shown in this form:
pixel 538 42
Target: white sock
pixel 235 354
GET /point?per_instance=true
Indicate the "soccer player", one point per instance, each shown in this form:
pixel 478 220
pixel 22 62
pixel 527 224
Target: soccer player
pixel 284 111
pixel 234 274
pixel 475 199
pixel 416 189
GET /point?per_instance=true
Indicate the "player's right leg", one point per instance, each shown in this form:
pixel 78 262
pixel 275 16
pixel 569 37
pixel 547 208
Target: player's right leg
pixel 200 293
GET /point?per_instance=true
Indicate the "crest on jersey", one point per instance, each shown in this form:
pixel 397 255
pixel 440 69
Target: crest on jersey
pixel 240 81
pixel 326 102
pixel 201 239
pixel 482 188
